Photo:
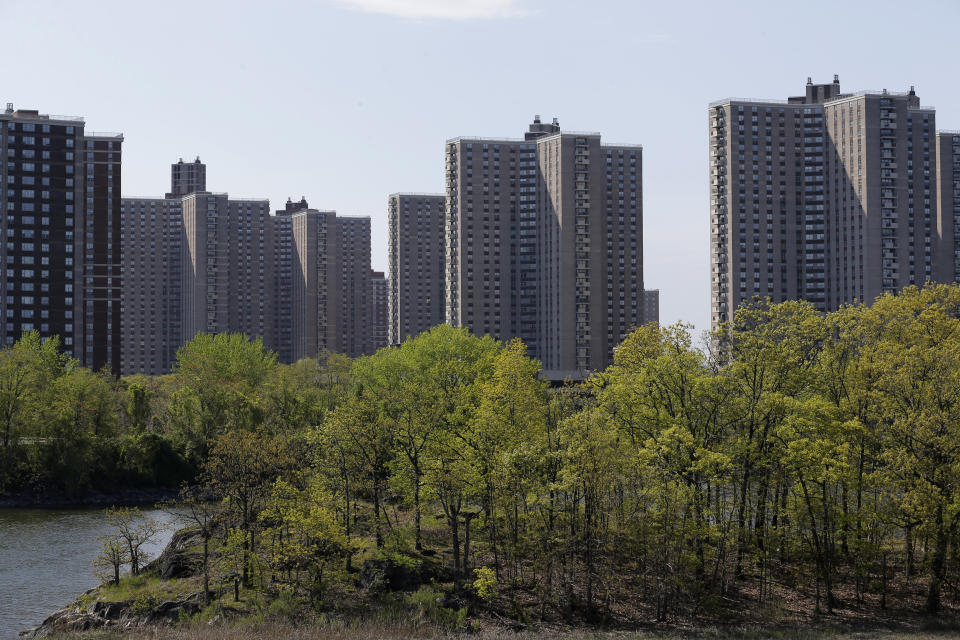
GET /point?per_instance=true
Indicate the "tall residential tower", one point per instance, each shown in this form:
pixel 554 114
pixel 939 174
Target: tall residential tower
pixel 826 197
pixel 60 197
pixel 415 287
pixel 544 242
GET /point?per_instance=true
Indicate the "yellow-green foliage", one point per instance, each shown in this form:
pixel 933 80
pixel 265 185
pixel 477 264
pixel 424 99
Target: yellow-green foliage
pixel 793 447
pixel 485 585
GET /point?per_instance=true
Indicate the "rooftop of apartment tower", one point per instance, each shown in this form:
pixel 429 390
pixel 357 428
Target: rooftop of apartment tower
pixel 822 93
pixel 36 115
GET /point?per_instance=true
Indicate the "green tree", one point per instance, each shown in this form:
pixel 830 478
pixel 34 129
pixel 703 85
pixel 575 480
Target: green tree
pixel 918 359
pixel 26 369
pixel 241 469
pixel 218 382
pixel 772 351
pixel 111 558
pixel 304 536
pixel 197 506
pixel 134 531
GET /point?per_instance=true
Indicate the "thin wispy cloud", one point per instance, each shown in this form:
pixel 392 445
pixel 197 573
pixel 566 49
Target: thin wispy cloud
pixel 439 9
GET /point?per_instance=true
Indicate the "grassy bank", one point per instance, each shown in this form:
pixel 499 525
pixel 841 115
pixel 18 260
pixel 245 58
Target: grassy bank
pixel 374 630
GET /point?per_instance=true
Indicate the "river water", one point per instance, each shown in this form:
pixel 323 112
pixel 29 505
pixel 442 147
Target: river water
pixel 46 560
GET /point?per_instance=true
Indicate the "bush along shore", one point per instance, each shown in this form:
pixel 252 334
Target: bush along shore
pixel 799 466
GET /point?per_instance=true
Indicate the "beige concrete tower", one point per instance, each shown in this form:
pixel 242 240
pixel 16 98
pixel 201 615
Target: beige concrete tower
pixel 356 295
pixel 767 211
pixel 948 205
pixel 316 250
pixel 544 241
pixel 589 250
pixel 152 284
pixel 880 194
pixel 416 249
pixel 226 271
pixel 827 197
pixel 332 291
pixel 482 227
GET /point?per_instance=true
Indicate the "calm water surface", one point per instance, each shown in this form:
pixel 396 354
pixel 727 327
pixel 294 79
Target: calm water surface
pixel 46 560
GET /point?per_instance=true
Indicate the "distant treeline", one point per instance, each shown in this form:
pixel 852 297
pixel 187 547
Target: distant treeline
pixel 795 448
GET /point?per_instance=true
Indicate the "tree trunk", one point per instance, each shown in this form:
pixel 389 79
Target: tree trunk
pixel 454 521
pixel 466 542
pixel 937 564
pixel 588 538
pixel 206 570
pixel 418 542
pixel 346 517
pixel 376 512
pixel 742 521
pixel 908 536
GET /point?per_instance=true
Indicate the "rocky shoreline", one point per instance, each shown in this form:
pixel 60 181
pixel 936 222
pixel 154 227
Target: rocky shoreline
pixel 120 616
pixel 85 614
pixel 90 499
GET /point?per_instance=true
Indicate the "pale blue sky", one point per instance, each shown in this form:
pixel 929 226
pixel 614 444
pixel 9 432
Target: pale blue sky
pixel 346 101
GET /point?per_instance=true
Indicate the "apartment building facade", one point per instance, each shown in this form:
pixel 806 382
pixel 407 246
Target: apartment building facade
pixel 826 197
pixel 227 285
pixel 416 263
pixel 332 297
pixel 195 262
pixel 152 300
pixel 187 177
pixel 948 203
pixel 544 242
pixel 60 194
pixel 379 321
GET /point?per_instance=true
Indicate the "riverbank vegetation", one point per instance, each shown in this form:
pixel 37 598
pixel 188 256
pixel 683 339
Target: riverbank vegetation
pixel 802 465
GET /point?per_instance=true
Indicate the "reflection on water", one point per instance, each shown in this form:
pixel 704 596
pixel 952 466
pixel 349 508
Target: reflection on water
pixel 46 560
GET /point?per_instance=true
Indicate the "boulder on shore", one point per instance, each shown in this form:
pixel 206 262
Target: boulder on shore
pixel 176 560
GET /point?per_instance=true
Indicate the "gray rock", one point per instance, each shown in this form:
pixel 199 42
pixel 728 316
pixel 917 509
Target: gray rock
pixel 111 610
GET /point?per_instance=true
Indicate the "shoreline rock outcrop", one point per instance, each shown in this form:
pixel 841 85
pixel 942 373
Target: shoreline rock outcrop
pixel 176 561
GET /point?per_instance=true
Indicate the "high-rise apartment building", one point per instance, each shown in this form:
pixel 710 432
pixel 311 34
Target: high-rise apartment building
pixel 379 326
pixel 332 291
pixel 356 297
pixel 948 203
pixel 102 278
pixel 544 242
pixel 416 263
pixel 491 192
pixel 316 317
pixel 227 284
pixel 199 262
pixel 152 301
pixel 651 306
pixel 187 177
pixel 60 197
pixel 589 249
pixel 826 197
pixel 281 316
pixel 203 262
pixel 880 194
